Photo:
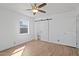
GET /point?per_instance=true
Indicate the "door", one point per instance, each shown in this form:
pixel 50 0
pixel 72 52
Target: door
pixel 41 29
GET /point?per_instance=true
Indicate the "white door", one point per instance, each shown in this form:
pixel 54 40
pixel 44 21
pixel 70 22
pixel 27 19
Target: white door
pixel 41 29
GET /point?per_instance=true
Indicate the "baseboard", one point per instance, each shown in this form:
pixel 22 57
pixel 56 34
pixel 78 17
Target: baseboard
pixel 14 46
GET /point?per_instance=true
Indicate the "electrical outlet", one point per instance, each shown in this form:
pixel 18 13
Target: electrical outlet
pixel 58 40
pixel 76 43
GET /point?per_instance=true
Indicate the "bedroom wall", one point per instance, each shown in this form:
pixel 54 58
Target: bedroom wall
pixel 77 31
pixel 62 28
pixel 77 27
pixel 9 28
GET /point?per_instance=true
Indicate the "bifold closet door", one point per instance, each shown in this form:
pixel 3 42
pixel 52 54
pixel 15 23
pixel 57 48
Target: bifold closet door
pixel 41 29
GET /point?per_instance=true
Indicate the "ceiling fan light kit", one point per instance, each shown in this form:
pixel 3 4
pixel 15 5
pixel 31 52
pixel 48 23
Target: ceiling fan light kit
pixel 36 8
pixel 35 11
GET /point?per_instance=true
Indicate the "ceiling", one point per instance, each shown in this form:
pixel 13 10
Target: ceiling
pixel 51 8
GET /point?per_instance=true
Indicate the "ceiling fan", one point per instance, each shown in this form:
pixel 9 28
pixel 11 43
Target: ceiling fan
pixel 36 8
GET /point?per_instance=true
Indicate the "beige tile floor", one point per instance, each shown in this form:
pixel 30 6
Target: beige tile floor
pixel 40 48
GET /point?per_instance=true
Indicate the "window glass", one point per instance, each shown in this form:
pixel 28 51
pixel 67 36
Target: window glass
pixel 24 24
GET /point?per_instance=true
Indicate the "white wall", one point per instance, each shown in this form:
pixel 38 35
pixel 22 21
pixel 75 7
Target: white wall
pixel 77 31
pixel 9 28
pixel 77 26
pixel 65 28
pixel 62 28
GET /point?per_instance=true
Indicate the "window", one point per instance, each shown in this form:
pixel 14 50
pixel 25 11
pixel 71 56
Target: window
pixel 24 24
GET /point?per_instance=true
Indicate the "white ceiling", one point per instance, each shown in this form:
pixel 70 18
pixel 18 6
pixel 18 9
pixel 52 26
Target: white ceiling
pixel 51 8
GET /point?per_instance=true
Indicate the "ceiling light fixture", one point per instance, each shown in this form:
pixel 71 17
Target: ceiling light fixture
pixel 35 10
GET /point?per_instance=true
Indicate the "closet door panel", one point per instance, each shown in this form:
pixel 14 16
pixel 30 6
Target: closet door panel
pixel 37 29
pixel 41 29
pixel 44 30
pixel 52 33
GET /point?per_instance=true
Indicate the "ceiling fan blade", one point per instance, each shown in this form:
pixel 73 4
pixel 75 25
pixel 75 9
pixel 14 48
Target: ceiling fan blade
pixel 28 9
pixel 42 5
pixel 42 11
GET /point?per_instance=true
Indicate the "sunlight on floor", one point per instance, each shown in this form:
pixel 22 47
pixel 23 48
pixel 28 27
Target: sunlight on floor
pixel 18 52
pixel 28 51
